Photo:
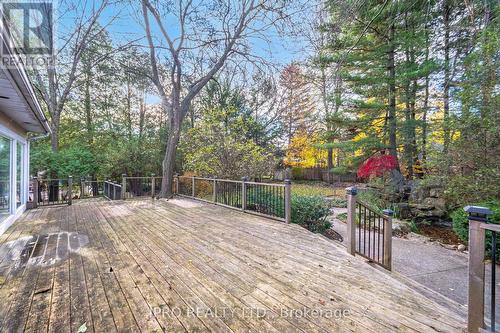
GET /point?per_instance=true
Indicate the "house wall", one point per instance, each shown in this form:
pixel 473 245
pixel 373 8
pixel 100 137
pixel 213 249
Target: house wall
pixel 15 134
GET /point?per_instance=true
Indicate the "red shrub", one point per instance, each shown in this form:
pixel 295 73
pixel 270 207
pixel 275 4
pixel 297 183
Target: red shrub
pixel 377 165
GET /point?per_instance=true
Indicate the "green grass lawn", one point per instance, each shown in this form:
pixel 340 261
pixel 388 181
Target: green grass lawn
pixel 317 188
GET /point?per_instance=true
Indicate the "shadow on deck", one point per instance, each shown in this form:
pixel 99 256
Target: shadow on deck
pixel 183 265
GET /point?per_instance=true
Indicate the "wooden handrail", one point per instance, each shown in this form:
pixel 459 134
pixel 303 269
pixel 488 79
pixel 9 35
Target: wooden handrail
pixel 490 226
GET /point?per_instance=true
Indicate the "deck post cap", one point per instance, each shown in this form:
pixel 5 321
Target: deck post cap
pixel 388 212
pixel 478 213
pixel 351 190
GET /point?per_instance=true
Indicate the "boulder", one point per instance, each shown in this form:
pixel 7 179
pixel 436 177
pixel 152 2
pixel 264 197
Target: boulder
pixel 439 203
pixel 435 192
pixel 404 210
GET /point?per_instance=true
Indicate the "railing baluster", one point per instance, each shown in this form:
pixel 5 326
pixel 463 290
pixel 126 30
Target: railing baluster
pixel 378 238
pixel 493 278
pixel 364 231
pixel 369 230
pixel 374 236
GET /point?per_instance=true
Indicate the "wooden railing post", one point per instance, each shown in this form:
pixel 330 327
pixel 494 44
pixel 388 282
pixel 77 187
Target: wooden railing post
pixel 35 192
pixel 124 185
pixel 475 301
pixel 153 185
pixel 193 187
pixel 70 190
pixel 114 191
pixel 214 193
pixel 288 200
pixel 388 238
pixel 82 184
pixel 244 193
pixel 351 219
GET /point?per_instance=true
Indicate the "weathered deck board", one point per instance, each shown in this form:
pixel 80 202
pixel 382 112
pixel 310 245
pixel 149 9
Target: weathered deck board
pixel 165 266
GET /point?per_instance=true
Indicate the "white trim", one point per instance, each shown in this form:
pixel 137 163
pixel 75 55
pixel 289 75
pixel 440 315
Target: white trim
pixel 26 162
pixel 13 179
pixel 5 224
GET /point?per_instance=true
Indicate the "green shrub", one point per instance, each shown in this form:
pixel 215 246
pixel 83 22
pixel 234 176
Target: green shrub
pixel 373 200
pixel 342 217
pixel 310 212
pixel 338 202
pixel 297 173
pixel 316 188
pixel 461 223
pixel 340 170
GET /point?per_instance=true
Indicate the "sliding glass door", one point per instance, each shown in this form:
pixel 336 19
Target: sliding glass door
pixel 13 175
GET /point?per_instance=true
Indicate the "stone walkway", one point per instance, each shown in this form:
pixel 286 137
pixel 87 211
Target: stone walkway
pixel 432 265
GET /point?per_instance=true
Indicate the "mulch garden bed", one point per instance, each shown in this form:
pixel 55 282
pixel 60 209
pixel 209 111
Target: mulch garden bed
pixel 444 235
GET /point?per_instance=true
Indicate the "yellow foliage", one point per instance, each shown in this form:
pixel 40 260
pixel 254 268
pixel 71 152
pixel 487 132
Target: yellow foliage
pixel 302 153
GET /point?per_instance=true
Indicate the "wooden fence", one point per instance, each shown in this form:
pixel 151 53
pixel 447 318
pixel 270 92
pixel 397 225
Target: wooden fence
pixel 315 173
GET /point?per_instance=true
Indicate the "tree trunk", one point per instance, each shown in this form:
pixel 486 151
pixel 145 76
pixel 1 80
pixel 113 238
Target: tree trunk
pixel 426 105
pixel 489 78
pixel 142 116
pixel 446 92
pixel 392 97
pixel 329 165
pixel 128 110
pixel 176 117
pixel 88 111
pixel 169 161
pixel 54 138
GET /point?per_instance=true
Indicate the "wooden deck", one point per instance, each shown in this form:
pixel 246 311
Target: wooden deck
pixel 186 266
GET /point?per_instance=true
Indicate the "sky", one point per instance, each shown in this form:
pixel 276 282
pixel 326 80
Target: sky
pixel 124 23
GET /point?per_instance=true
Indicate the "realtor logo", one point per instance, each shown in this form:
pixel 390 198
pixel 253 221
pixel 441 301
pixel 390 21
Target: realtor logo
pixel 28 31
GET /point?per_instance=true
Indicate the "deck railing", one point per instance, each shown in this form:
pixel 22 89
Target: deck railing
pixel 266 199
pixel 112 191
pixel 134 186
pixel 369 233
pixel 48 192
pixel 478 226
pixel 51 192
pixel 90 188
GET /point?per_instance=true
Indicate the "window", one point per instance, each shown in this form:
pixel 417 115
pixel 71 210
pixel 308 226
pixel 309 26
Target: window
pixel 5 164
